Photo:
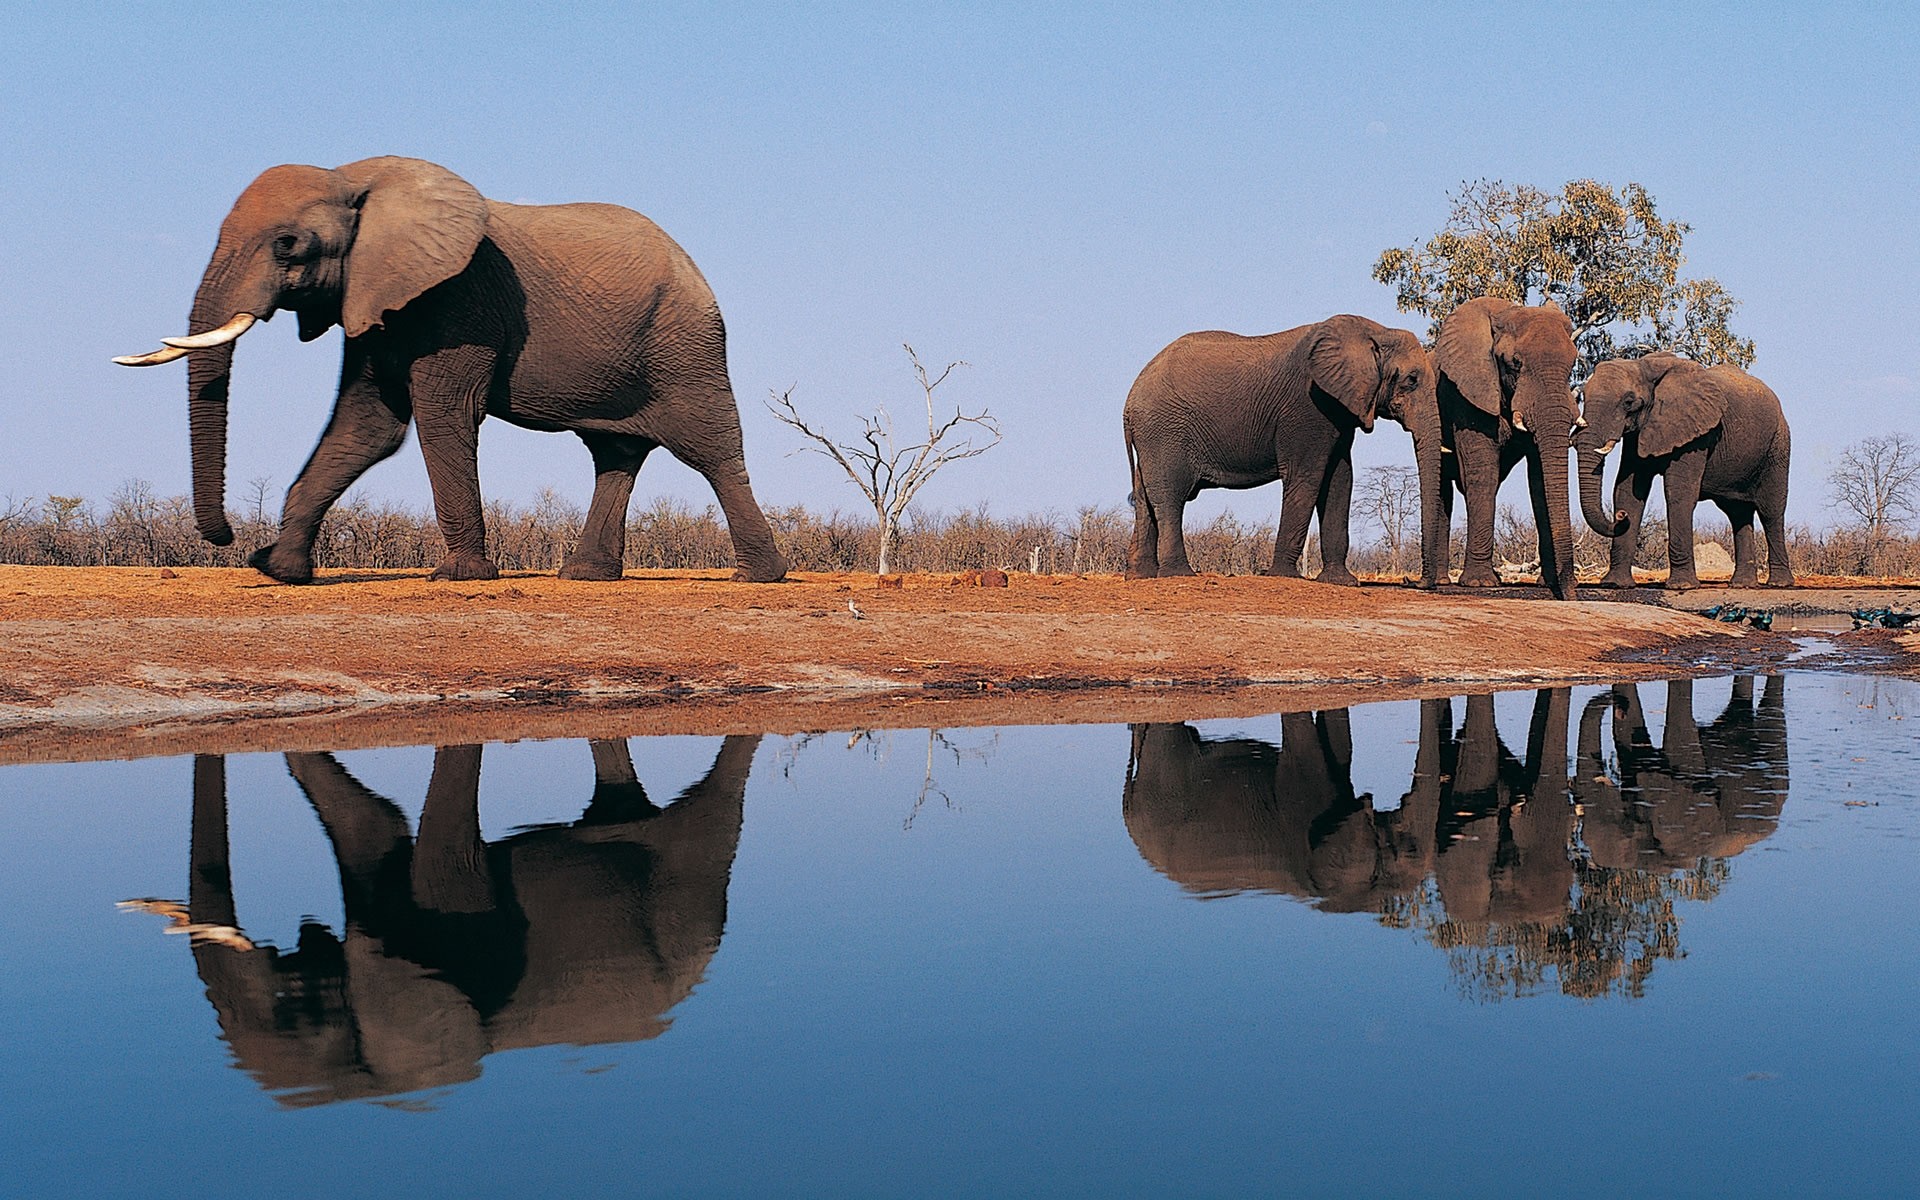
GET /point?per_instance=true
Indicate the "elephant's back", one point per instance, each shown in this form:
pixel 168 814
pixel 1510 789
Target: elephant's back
pixel 1208 363
pixel 594 248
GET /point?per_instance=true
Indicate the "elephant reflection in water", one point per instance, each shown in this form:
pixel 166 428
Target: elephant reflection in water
pixel 456 947
pixel 1708 792
pixel 1485 854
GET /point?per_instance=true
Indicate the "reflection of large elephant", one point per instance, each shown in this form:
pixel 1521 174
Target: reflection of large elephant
pixel 455 947
pixel 1504 396
pixel 1221 410
pixel 1713 433
pixel 575 316
pixel 1708 791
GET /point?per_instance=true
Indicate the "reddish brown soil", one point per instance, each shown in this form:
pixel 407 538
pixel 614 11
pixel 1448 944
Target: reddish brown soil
pixel 101 662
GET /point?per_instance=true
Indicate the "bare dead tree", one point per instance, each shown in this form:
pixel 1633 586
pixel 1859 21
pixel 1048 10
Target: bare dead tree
pixel 888 474
pixel 1877 479
pixel 1390 498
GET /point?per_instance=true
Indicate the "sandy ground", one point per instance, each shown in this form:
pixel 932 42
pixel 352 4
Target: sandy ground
pixel 122 662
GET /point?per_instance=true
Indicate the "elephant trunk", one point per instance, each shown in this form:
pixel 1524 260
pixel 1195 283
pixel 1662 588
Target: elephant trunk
pixel 1593 469
pixel 1433 521
pixel 209 371
pixel 1554 448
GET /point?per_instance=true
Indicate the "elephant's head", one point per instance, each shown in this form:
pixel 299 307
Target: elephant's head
pixel 1372 371
pixel 336 247
pixel 1514 362
pixel 1662 400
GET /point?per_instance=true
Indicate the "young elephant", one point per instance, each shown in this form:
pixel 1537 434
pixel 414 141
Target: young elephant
pixel 1714 433
pixel 1221 410
pixel 584 317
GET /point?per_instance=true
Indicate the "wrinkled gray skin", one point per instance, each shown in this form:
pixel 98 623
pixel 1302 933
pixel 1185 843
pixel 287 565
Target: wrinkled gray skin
pixel 456 947
pixel 581 317
pixel 1505 397
pixel 1221 410
pixel 1713 433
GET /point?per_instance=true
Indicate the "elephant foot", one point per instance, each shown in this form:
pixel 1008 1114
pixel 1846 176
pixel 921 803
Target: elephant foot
pixel 1169 572
pixel 1618 581
pixel 1779 579
pixel 465 566
pixel 1479 579
pixel 598 570
pixel 1425 583
pixel 1747 579
pixel 1338 578
pixel 285 566
pixel 1681 583
pixel 773 570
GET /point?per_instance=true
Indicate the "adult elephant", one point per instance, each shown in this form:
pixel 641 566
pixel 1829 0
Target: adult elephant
pixel 455 947
pixel 1218 409
pixel 1504 397
pixel 582 317
pixel 1713 433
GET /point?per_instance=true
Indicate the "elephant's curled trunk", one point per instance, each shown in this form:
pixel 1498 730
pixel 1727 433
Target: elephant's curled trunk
pixel 1593 468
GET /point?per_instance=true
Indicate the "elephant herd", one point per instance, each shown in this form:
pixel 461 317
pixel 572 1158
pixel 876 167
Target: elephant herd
pixel 588 318
pixel 592 931
pixel 1219 410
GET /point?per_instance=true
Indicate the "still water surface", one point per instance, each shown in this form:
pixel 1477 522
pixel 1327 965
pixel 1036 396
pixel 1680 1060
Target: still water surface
pixel 1653 940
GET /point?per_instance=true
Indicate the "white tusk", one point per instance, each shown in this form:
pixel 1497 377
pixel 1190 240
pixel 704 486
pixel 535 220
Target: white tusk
pixel 214 337
pixel 1446 449
pixel 152 358
pixel 1608 448
pixel 1518 423
pixel 1580 422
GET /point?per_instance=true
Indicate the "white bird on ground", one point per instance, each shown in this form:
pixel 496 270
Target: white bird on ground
pixel 855 610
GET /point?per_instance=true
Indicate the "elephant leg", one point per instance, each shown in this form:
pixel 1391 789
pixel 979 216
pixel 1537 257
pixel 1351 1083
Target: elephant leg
pixel 1746 564
pixel 1682 486
pixel 1167 491
pixel 371 842
pixel 450 869
pixel 1299 495
pixel 369 423
pixel 602 550
pixel 449 396
pixel 696 418
pixel 1480 473
pixel 1630 490
pixel 618 796
pixel 1143 553
pixel 1773 518
pixel 1335 506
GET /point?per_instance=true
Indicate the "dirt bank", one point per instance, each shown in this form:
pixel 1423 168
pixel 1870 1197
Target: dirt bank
pixel 112 662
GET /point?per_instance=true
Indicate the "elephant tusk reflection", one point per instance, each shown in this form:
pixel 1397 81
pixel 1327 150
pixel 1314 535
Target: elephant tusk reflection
pixel 240 323
pixel 152 358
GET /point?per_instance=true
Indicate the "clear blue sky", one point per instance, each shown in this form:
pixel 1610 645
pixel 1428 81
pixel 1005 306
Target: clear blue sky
pixel 1050 192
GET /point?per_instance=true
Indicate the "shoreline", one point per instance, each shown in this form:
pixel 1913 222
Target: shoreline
pixel 125 662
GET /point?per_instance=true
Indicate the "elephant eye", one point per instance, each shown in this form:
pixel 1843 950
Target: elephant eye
pixel 283 246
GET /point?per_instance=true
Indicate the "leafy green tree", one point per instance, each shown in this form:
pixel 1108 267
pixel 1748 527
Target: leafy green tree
pixel 1605 257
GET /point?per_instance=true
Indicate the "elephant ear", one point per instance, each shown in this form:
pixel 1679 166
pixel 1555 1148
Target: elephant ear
pixel 1688 402
pixel 1464 352
pixel 419 226
pixel 1343 363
